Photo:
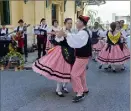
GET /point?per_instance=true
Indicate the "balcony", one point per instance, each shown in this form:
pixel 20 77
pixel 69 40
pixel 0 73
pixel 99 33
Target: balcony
pixel 95 2
pixel 90 2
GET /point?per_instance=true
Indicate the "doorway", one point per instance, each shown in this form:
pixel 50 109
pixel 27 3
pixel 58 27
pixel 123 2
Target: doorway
pixel 55 12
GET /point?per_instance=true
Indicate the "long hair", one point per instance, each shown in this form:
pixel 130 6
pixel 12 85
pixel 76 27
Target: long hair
pixel 113 26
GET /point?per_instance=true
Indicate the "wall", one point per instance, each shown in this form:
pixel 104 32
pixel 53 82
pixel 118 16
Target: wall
pixel 70 11
pixel 16 12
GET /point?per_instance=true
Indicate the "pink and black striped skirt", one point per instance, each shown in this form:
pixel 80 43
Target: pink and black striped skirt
pixel 113 55
pixel 53 66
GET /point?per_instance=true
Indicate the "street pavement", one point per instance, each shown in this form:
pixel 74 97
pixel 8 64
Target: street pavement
pixel 28 91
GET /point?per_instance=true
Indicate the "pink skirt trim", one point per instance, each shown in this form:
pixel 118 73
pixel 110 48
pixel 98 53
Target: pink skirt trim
pixel 114 56
pixel 99 45
pixel 53 66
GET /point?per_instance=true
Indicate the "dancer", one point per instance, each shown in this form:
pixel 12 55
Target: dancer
pixel 82 44
pixel 113 53
pixel 97 42
pixel 124 33
pixel 57 64
pixel 42 37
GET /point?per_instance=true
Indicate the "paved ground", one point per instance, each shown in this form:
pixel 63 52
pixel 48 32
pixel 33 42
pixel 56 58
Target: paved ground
pixel 27 91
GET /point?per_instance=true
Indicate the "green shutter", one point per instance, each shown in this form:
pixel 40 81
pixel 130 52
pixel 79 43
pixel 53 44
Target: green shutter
pixel 47 3
pixel 6 12
pixel 65 1
pixel 25 1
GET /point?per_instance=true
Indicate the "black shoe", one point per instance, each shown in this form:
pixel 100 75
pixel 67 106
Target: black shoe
pixel 87 67
pixel 86 92
pixel 60 95
pixel 78 98
pixel 114 71
pixel 123 69
pixel 95 60
pixel 100 66
pixel 37 58
pixel 109 66
pixel 106 68
pixel 64 89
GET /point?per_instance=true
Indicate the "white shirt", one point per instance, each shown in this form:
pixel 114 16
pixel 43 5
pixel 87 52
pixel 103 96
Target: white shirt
pixel 20 29
pixel 77 40
pixel 124 33
pixel 4 31
pixel 44 27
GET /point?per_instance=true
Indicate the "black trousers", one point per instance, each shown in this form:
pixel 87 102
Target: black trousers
pixel 20 50
pixel 25 45
pixel 4 47
pixel 41 43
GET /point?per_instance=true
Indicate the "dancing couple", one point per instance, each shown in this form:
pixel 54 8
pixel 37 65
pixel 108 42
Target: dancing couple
pixel 67 61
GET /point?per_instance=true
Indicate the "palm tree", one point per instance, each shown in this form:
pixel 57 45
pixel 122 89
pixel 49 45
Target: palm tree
pixel 92 14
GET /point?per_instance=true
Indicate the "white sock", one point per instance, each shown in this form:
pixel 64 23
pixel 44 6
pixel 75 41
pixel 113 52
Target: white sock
pixel 113 67
pixel 64 85
pixel 79 94
pixel 58 88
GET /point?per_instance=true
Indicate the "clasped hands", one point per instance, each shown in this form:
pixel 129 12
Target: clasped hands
pixel 61 33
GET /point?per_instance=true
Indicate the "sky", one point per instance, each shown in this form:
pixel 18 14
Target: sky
pixel 105 11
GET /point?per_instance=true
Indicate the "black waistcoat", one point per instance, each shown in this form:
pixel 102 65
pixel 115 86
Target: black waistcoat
pixel 85 51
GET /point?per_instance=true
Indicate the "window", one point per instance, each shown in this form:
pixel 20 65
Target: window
pixel 54 12
pixel 5 12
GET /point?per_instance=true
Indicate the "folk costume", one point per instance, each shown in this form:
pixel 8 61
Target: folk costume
pixel 83 50
pixel 57 64
pixel 114 52
pixel 97 42
pixel 21 37
pixel 4 41
pixel 41 32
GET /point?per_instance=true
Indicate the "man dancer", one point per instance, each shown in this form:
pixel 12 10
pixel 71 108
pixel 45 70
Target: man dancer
pixel 82 44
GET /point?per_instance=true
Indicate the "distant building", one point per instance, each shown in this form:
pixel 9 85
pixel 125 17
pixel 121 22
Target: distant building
pixel 116 17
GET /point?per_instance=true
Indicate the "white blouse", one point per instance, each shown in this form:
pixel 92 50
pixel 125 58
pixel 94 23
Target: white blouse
pixel 77 40
pixel 4 31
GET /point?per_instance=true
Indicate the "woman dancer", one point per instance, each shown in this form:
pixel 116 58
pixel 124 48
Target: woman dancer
pixel 97 42
pixel 57 64
pixel 125 47
pixel 113 53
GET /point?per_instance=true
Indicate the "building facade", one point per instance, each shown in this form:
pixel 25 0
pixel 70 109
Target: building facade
pixel 32 11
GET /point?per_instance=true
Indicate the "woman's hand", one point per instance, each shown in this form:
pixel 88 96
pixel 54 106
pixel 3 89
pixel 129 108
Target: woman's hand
pixel 61 34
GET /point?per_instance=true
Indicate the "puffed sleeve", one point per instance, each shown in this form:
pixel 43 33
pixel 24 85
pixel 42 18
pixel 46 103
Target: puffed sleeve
pixel 59 39
pixel 77 40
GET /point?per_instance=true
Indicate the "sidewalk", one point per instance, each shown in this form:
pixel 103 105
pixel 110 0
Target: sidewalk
pixel 31 58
